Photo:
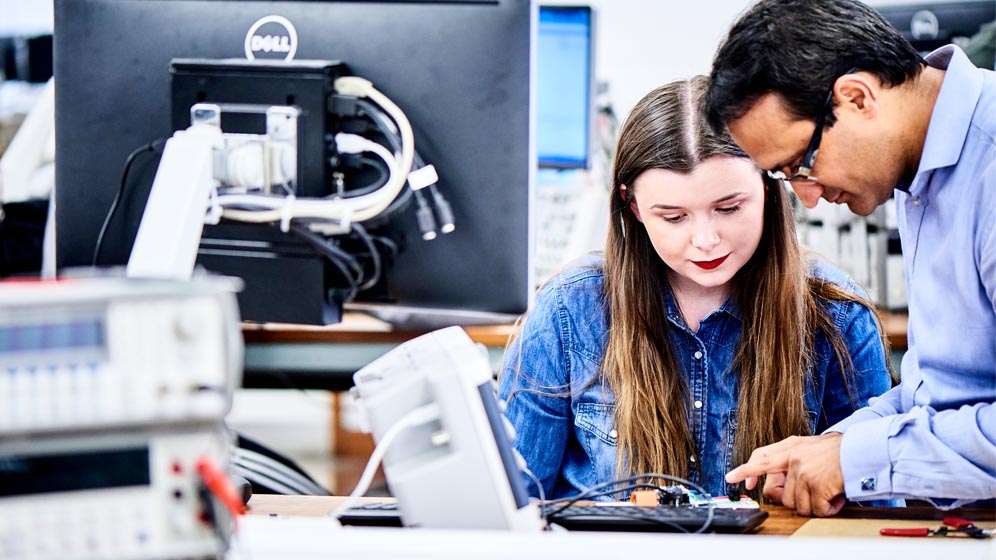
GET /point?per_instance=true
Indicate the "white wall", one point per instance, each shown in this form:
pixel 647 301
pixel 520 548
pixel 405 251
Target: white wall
pixel 641 44
pixel 25 17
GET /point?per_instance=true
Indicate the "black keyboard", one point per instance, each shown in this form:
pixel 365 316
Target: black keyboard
pixel 577 517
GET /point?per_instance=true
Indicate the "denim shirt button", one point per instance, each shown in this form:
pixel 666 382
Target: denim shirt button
pixel 613 433
pixel 691 458
pixel 698 355
pixel 698 404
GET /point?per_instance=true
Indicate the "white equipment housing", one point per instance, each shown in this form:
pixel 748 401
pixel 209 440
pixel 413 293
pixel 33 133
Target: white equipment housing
pixel 100 353
pixel 460 470
pixel 113 393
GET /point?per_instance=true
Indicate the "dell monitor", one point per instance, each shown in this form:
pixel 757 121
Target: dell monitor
pixel 931 25
pixel 128 72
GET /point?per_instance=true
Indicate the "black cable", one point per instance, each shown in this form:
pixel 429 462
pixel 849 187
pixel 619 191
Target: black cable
pixel 591 493
pixel 631 512
pixel 154 146
pixel 634 478
pixel 381 180
pixel 634 512
pixel 361 232
pixel 427 223
pixel 339 258
pixel 542 496
pixel 388 243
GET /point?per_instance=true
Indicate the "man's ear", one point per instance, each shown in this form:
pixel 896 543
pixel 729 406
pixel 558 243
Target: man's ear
pixel 858 92
pixel 632 203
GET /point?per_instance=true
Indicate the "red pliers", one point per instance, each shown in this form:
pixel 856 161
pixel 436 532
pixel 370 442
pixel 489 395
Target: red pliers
pixel 953 526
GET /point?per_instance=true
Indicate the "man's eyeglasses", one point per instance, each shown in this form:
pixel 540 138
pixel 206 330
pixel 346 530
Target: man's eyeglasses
pixel 802 173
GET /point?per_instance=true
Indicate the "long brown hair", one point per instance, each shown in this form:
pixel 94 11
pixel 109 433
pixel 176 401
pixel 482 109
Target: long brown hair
pixel 779 304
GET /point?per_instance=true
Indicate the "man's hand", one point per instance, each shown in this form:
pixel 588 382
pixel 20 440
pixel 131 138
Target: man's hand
pixel 803 473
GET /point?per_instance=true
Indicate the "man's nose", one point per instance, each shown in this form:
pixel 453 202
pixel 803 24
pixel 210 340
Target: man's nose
pixel 809 192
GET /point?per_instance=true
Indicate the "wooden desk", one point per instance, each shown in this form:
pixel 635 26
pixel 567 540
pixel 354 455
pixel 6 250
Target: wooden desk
pixel 286 356
pixel 780 521
pixel 894 323
pixel 852 521
pixel 359 328
pixel 282 356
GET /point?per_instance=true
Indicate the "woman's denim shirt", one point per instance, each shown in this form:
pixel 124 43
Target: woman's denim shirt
pixel 568 437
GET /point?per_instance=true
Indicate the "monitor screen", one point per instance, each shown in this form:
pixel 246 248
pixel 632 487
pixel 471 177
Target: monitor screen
pixel 564 87
pixel 460 70
pixel 931 25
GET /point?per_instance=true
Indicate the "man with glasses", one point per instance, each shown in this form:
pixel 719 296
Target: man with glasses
pixel 827 96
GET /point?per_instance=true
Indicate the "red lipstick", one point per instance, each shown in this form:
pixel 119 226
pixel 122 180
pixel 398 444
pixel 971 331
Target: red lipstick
pixel 709 265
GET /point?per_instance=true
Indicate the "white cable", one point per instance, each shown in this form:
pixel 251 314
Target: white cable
pixel 353 209
pixel 421 415
pixel 357 209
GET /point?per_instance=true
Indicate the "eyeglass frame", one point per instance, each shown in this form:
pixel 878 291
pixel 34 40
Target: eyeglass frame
pixel 809 158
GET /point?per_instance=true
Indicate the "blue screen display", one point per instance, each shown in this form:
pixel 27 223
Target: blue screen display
pixel 563 86
pixel 39 337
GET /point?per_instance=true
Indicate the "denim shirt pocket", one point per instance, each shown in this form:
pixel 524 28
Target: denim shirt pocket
pixel 596 432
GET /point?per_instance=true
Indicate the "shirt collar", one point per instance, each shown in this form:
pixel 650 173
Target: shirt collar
pixel 953 110
pixel 674 314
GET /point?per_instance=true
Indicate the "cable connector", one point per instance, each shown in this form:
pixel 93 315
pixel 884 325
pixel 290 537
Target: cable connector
pixel 352 143
pixel 353 85
pixel 445 212
pixel 426 221
pixel 220 486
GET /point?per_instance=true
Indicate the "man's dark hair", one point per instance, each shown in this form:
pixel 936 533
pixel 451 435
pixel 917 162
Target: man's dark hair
pixel 797 49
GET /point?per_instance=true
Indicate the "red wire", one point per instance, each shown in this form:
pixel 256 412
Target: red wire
pixel 218 484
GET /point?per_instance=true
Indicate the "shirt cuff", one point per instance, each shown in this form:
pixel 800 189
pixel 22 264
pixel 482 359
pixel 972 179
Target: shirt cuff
pixel 843 425
pixel 862 415
pixel 864 459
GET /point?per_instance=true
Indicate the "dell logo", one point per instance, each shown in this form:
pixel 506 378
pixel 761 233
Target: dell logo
pixel 271 37
pixel 924 25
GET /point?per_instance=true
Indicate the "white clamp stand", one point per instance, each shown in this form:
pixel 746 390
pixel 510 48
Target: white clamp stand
pixel 167 240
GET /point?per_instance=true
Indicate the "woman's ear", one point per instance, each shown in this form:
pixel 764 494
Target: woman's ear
pixel 632 203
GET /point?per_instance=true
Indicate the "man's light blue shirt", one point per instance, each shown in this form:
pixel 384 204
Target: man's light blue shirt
pixel 934 435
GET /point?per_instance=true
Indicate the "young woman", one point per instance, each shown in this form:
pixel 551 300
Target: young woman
pixel 701 334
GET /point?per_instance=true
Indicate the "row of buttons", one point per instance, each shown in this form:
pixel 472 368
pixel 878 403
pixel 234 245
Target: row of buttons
pixel 116 524
pixel 153 369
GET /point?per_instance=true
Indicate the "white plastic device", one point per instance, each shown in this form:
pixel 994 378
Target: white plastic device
pixel 171 227
pixel 458 471
pixel 198 161
pixel 112 397
pixel 115 495
pixel 97 353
